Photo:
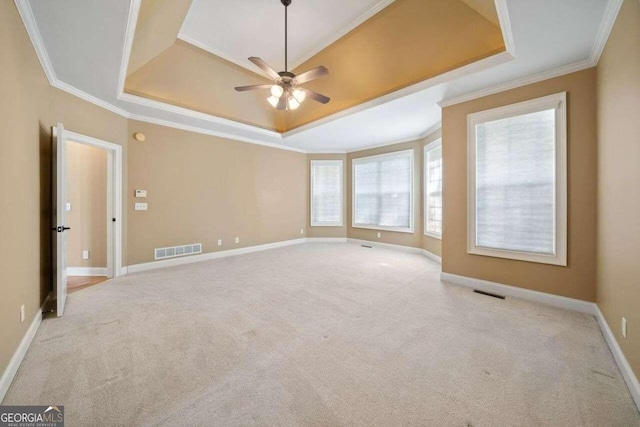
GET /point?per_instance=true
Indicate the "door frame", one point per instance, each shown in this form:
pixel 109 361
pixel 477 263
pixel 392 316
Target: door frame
pixel 114 197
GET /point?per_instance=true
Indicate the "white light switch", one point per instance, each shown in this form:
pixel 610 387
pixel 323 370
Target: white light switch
pixel 141 206
pixel 68 207
pixel 141 193
pixel 85 254
pixel 624 327
pixel 22 313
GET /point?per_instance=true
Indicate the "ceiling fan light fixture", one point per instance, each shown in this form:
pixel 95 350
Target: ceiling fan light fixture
pixel 293 103
pixel 299 95
pixel 284 94
pixel 273 101
pixel 277 91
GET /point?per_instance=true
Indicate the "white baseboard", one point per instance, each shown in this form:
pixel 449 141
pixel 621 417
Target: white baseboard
pixel 326 239
pixel 525 294
pixel 12 368
pixel 625 369
pixel 87 271
pixel 432 256
pixel 409 249
pixel 124 271
pixel 211 255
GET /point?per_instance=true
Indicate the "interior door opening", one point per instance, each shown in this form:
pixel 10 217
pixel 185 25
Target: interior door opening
pixel 79 159
pixel 86 212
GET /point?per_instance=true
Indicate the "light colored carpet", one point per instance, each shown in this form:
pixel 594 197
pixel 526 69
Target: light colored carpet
pixel 318 335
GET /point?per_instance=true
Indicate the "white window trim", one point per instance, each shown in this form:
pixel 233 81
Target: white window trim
pixel 354 162
pixel 328 224
pixel 431 146
pixel 559 102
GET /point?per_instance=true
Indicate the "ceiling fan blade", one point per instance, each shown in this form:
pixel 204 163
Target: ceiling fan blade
pixel 316 96
pixel 307 76
pixel 265 67
pixel 282 103
pixel 252 87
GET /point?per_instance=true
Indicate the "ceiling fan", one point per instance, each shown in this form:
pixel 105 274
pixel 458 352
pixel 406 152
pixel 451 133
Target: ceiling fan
pixel 286 93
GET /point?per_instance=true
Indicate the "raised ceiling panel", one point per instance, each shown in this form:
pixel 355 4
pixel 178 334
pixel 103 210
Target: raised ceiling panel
pixel 186 76
pixel 236 30
pixel 407 42
pixel 159 22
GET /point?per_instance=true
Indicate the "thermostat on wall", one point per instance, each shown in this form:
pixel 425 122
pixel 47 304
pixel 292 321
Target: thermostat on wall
pixel 141 193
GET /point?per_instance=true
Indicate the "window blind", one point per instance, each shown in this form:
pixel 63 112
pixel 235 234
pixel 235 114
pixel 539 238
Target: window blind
pixel 383 191
pixel 515 183
pixel 433 190
pixel 326 192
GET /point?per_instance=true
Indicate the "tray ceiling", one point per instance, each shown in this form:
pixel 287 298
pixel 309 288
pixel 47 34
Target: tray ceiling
pixel 405 43
pixel 84 47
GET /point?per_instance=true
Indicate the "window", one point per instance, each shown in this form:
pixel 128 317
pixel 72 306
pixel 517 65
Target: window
pixel 518 181
pixel 383 192
pixel 326 193
pixel 433 189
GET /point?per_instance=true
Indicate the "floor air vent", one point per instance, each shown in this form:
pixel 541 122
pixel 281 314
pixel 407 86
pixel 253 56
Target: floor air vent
pixel 489 294
pixel 175 251
pixel 366 246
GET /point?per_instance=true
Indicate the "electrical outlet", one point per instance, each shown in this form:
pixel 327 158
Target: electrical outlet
pixel 219 242
pixel 85 254
pixel 68 207
pixel 624 327
pixel 141 206
pixel 302 231
pixel 22 313
pixel 379 235
pixel 237 240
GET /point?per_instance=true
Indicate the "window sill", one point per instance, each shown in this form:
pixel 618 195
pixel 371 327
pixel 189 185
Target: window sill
pixel 559 260
pixel 327 225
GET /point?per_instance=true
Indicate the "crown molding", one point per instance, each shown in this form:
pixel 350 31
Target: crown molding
pixel 604 31
pixel 129 35
pixel 29 20
pixel 527 80
pixel 505 26
pixel 483 64
pixel 417 137
pixel 171 124
pixel 606 25
pixel 159 105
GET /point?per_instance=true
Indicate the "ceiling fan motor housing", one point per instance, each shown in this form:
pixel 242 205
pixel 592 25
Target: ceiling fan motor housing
pixel 286 2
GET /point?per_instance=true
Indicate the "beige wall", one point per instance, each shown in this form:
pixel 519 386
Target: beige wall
pixel 577 280
pixel 320 232
pixel 618 179
pixel 28 109
pixel 416 239
pixel 87 194
pixel 203 188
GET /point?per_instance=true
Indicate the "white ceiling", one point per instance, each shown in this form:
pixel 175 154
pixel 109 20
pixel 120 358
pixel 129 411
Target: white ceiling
pixel 236 30
pixel 81 45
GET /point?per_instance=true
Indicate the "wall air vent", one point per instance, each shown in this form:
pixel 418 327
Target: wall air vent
pixel 176 251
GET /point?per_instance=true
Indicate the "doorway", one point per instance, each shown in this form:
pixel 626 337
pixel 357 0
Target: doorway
pixel 105 241
pixel 86 211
